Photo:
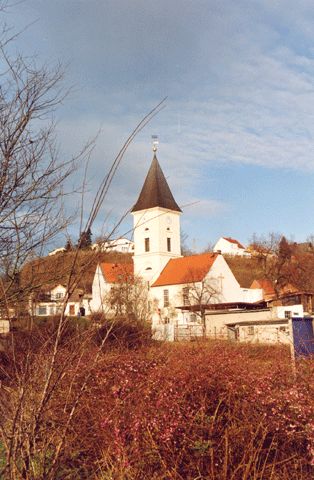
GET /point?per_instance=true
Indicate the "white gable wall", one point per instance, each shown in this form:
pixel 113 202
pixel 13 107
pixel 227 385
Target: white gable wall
pixel 227 285
pixel 100 289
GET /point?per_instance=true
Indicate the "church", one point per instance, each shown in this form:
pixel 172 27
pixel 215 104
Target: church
pixel 179 288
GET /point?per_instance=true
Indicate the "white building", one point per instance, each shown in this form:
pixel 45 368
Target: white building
pixel 230 246
pixel 122 245
pixel 54 300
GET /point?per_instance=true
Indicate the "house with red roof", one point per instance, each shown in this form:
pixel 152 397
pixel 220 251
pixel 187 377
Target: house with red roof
pixel 230 246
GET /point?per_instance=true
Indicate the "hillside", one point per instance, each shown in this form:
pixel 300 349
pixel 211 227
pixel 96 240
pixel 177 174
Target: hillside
pixel 46 272
pixel 245 269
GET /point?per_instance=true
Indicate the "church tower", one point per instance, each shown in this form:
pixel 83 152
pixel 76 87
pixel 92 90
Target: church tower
pixel 156 217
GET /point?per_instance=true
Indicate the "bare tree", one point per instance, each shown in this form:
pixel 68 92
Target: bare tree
pixel 32 175
pixel 128 297
pixel 276 259
pixel 31 213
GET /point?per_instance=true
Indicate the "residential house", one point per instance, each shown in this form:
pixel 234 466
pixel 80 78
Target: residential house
pixel 230 246
pixel 50 302
pixel 287 295
pixel 122 245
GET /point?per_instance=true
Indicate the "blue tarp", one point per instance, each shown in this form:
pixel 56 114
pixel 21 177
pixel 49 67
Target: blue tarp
pixel 303 336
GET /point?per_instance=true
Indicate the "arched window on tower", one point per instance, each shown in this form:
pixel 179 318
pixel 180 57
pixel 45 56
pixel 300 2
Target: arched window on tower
pixel 147 246
pixel 168 244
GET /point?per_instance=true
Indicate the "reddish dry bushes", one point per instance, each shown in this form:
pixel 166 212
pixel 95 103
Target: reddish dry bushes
pixel 213 411
pixel 202 410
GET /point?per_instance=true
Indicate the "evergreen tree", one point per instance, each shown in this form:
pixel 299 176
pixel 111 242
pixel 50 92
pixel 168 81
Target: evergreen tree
pixel 68 246
pixel 85 240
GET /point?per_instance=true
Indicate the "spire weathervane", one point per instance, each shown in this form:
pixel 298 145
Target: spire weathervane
pixel 155 143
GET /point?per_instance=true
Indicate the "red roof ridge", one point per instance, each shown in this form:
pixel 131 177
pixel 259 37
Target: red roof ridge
pixel 233 240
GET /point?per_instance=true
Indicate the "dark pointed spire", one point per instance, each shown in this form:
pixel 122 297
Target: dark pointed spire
pixel 155 191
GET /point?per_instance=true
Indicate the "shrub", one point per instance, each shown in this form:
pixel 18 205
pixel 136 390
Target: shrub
pixel 206 410
pixel 123 332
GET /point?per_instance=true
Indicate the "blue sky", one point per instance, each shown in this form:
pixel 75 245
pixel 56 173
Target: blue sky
pixel 237 133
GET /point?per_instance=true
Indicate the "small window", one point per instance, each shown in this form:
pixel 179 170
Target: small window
pixel 147 245
pixel 146 229
pixel 169 244
pixel 166 298
pixel 42 310
pixel 250 330
pixel 287 314
pixel 282 329
pixel 72 310
pixel 148 268
pixel 193 318
pixel 185 296
pixel 168 229
pixel 59 295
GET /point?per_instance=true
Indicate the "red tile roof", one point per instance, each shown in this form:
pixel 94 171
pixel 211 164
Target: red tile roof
pixel 232 240
pixel 186 269
pixel 265 284
pixel 115 272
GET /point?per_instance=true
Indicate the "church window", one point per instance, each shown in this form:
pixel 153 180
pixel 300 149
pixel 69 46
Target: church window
pixel 166 298
pixel 185 295
pixel 147 245
pixel 168 244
